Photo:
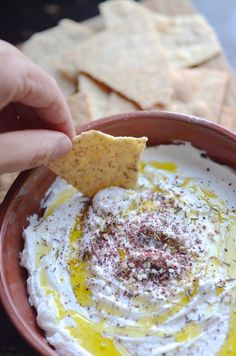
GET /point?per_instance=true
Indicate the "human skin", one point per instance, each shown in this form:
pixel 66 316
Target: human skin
pixel 35 121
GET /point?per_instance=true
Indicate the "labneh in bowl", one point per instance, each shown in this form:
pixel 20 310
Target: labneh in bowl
pixel 25 195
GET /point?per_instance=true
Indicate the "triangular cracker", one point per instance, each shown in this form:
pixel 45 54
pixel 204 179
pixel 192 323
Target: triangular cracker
pixel 48 48
pixel 117 104
pixel 117 13
pixel 6 181
pixel 98 160
pixel 55 41
pixel 198 92
pixel 228 118
pixel 51 66
pixel 130 63
pixel 187 40
pixel 80 108
pixel 97 95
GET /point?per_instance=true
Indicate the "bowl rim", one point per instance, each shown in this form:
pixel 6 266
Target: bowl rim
pixel 5 298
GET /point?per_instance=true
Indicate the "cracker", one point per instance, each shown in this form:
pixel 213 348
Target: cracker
pixel 6 181
pixel 48 48
pixel 228 118
pixel 187 40
pixel 80 108
pixel 55 41
pixel 117 104
pixel 117 13
pixel 51 66
pixel 130 63
pixel 98 161
pixel 199 92
pixel 97 94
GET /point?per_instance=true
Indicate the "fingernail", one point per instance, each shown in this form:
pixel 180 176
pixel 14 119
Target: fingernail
pixel 63 147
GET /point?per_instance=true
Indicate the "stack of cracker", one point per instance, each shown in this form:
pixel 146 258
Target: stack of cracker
pixel 139 60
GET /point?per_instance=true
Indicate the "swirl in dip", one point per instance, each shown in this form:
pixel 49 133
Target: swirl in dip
pixel 138 272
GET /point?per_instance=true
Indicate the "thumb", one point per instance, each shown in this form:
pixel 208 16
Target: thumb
pixel 25 149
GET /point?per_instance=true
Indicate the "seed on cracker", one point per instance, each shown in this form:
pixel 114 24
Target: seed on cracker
pixel 97 94
pixel 132 64
pixel 80 108
pixel 98 161
pixel 55 41
pixel 117 104
pixel 187 40
pixel 198 92
pixel 48 48
pixel 228 117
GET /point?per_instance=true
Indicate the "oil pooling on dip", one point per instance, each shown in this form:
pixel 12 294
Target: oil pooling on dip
pixel 132 272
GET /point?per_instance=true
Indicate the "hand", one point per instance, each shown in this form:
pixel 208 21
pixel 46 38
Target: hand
pixel 35 122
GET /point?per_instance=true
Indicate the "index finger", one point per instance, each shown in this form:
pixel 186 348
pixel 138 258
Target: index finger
pixel 23 81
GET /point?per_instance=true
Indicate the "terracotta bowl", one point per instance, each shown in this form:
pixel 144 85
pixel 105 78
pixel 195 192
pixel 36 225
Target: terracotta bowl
pixel 23 199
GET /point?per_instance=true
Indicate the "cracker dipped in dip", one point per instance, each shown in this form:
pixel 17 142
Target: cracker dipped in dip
pixel 150 270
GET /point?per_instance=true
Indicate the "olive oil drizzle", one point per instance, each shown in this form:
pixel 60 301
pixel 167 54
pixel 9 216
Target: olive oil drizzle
pixel 92 336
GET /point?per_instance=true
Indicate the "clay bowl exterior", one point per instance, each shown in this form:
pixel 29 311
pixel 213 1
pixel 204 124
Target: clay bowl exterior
pixel 23 199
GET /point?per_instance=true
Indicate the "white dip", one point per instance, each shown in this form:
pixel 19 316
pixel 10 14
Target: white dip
pixel 150 271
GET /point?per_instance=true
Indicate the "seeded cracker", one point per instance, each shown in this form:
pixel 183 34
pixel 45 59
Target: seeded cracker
pixel 117 104
pixel 228 117
pixel 51 66
pixel 48 48
pixel 97 95
pixel 55 41
pixel 130 63
pixel 98 160
pixel 187 40
pixel 198 92
pixel 116 13
pixel 6 180
pixel 80 108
